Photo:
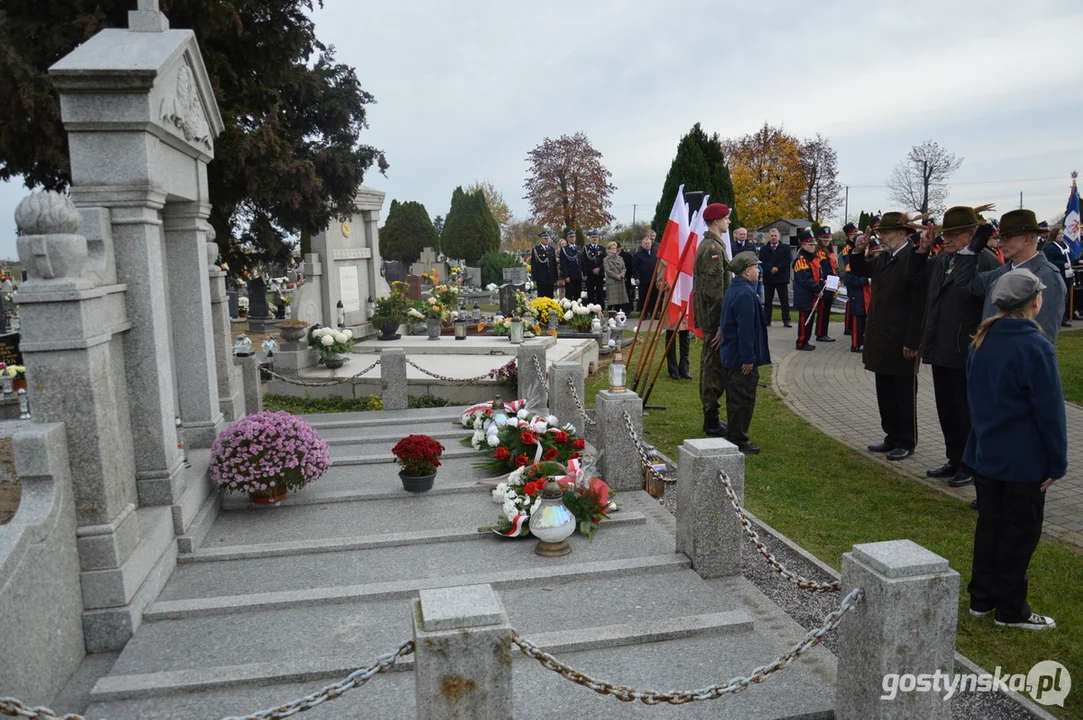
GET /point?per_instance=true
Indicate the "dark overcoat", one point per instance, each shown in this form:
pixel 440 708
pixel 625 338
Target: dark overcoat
pixel 898 309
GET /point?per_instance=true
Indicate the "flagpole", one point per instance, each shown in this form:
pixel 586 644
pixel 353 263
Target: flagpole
pixel 639 325
pixel 669 346
pixel 656 322
pixel 669 299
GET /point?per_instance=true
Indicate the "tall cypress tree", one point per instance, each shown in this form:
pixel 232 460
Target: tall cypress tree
pixel 700 164
pixel 470 230
pixel 407 231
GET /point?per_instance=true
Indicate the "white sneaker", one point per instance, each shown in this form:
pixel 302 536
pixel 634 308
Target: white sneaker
pixel 1034 622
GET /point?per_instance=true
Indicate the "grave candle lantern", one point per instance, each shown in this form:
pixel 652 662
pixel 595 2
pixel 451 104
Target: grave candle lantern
pixel 617 374
pixel 460 327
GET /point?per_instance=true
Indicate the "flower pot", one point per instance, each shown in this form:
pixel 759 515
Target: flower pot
pixel 242 314
pixel 291 334
pixel 268 497
pixel 335 361
pixel 19 385
pixel 389 332
pixel 434 328
pixel 417 483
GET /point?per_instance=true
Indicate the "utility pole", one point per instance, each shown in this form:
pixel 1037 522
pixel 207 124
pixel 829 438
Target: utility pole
pixel 1020 199
pixel 633 215
pixel 846 206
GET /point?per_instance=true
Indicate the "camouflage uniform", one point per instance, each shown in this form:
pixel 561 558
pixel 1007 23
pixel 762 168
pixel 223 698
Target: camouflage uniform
pixel 710 281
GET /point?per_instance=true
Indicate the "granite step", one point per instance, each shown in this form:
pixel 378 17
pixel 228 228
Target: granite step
pixel 327 639
pixel 385 418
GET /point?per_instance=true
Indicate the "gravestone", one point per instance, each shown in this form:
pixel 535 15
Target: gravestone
pixel 394 271
pixel 350 256
pixel 429 261
pixel 257 299
pixel 414 289
pixel 233 298
pixel 9 349
pixel 473 277
pixel 516 275
pixel 507 300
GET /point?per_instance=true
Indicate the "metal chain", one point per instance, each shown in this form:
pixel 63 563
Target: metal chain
pixel 801 582
pixel 462 381
pixel 679 697
pixel 542 376
pixel 328 383
pixel 579 403
pixel 644 460
pixel 12 707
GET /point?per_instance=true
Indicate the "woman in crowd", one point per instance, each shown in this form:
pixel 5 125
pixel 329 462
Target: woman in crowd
pixel 615 293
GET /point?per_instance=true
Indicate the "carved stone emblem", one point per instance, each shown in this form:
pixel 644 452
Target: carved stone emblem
pixel 184 110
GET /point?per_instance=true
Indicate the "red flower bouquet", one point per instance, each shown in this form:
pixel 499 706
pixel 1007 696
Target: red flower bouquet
pixel 419 455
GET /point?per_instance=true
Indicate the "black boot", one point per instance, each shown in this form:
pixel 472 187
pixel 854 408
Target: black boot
pixel 712 426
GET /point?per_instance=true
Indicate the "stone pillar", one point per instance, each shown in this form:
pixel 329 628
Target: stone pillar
pixel 533 386
pixel 462 654
pixel 905 624
pixel 708 530
pixel 621 465
pixel 561 401
pixel 253 393
pixel 230 399
pixel 192 324
pixel 393 378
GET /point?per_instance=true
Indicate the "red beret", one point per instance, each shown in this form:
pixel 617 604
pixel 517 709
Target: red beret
pixel 716 211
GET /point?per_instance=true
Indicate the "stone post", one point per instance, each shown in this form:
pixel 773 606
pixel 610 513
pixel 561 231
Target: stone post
pixel 462 654
pixel 230 399
pixel 621 465
pixel 905 624
pixel 253 394
pixel 533 386
pixel 393 378
pixel 561 401
pixel 708 530
pixel 192 323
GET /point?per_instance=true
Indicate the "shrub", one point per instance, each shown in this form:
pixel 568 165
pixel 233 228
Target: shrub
pixel 493 264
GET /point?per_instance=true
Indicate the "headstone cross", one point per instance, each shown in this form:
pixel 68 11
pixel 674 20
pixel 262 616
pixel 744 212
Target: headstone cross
pixel 147 18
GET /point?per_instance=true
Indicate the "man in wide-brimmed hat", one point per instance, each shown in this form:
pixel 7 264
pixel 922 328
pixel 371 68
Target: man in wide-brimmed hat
pixel 1019 234
pixel 893 332
pixel 952 315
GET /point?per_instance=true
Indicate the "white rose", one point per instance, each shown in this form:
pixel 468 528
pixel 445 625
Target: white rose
pixel 552 420
pixel 539 426
pixel 493 440
pixel 522 414
pixel 581 310
pixel 327 341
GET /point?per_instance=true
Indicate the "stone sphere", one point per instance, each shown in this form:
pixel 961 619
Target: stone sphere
pixel 47 213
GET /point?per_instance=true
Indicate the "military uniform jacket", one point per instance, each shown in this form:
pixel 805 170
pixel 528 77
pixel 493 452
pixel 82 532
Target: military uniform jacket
pixel 858 291
pixel 895 318
pixel 710 280
pixel 952 314
pixel 807 282
pixel 570 260
pixel 543 265
pixel 593 257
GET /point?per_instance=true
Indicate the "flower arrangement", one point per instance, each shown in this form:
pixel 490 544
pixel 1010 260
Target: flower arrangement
pixel 492 287
pixel 457 276
pixel 578 315
pixel 18 372
pixel 501 325
pixel 329 342
pixel 542 307
pixel 522 306
pixel 431 309
pixel 446 295
pixel 525 440
pixel 588 498
pixel 394 308
pixel 431 277
pixel 268 451
pixel 242 306
pixel 474 417
pixel 419 455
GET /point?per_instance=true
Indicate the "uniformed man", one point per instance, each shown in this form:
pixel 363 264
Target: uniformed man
pixel 593 257
pixel 850 231
pixel 543 265
pixel 858 297
pixel 829 265
pixel 571 268
pixel 807 285
pixel 710 280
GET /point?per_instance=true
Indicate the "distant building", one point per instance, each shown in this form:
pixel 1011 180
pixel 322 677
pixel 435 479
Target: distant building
pixel 787 227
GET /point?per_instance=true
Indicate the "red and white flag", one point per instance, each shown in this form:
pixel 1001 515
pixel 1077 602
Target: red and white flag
pixel 674 236
pixel 682 289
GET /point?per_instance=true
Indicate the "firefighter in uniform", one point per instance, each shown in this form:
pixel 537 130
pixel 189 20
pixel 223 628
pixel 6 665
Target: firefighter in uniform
pixel 593 257
pixel 571 270
pixel 829 265
pixel 850 230
pixel 710 280
pixel 543 265
pixel 858 297
pixel 807 287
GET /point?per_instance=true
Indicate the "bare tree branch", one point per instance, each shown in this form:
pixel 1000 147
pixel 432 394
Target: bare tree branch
pixel 920 181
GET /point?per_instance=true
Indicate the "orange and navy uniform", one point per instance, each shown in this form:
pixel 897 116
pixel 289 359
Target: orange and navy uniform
pixel 806 286
pixel 859 298
pixel 829 265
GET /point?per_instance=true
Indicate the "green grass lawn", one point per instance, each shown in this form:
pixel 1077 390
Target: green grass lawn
pixel 1070 359
pixel 827 497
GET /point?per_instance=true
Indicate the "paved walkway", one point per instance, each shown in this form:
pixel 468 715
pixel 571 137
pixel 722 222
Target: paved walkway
pixel 831 389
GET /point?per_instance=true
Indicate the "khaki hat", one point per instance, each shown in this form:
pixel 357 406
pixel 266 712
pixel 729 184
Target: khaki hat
pixel 962 217
pixel 743 261
pixel 1015 289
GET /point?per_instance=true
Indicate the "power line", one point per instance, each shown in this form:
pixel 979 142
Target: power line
pixel 974 182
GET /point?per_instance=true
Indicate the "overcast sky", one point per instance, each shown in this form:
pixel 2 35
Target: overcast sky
pixel 465 90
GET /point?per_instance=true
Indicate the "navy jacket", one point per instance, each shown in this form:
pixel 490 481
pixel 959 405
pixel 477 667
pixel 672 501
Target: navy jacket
pixel 782 258
pixel 805 285
pixel 1016 406
pixel 744 330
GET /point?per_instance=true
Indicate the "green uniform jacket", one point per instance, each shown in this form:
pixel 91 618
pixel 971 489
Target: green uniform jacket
pixel 710 280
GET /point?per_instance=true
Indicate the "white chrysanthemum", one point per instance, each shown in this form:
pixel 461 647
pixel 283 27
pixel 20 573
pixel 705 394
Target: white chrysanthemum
pixel 465 420
pixel 475 441
pixel 327 341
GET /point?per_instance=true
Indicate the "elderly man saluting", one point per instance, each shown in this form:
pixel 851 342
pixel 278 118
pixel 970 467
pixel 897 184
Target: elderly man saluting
pixel 744 348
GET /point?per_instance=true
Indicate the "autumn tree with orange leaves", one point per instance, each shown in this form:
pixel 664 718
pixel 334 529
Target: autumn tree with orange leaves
pixel 768 180
pixel 568 186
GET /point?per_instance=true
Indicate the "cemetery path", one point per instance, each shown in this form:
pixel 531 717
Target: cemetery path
pixel 831 389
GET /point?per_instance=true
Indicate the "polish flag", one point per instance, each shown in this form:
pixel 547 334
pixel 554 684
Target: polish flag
pixel 682 290
pixel 674 236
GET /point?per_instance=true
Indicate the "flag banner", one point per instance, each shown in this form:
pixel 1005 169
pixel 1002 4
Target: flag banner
pixel 674 236
pixel 1071 222
pixel 682 288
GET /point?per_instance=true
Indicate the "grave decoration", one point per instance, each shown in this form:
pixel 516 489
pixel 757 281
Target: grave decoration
pixel 543 307
pixel 523 440
pixel 419 457
pixel 242 307
pixel 334 345
pixel 266 454
pixel 589 499
pixel 580 316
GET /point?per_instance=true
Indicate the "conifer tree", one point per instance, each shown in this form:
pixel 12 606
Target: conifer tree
pixel 470 230
pixel 699 164
pixel 407 231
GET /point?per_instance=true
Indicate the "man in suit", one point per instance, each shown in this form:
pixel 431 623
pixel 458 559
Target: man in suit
pixel 593 257
pixel 952 316
pixel 1057 252
pixel 645 262
pixel 741 242
pixel 893 333
pixel 543 265
pixel 777 259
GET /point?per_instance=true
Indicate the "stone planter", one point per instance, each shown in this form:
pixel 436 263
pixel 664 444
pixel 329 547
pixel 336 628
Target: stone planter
pixel 291 334
pixel 433 325
pixel 389 332
pixel 417 483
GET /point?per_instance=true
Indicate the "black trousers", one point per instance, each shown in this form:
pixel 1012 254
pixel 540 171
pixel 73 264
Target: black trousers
pixel 740 403
pixel 596 288
pixel 823 314
pixel 857 330
pixel 1009 525
pixel 896 395
pixel 648 297
pixel 572 288
pixel 546 290
pixel 783 301
pixel 677 367
pixel 804 328
pixel 953 409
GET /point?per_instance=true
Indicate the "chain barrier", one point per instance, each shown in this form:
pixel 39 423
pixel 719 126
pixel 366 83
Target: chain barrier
pixel 644 456
pixel 801 582
pixel 321 383
pixel 462 381
pixel 680 697
pixel 543 377
pixel 579 403
pixel 14 708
